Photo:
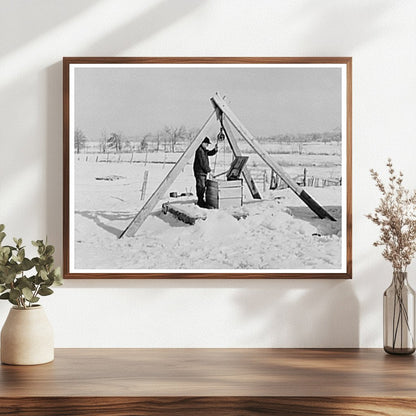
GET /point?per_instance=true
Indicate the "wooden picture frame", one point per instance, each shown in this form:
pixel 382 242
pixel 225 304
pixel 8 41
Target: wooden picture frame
pixel 131 129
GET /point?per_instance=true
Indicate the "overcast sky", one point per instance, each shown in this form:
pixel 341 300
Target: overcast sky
pixel 268 101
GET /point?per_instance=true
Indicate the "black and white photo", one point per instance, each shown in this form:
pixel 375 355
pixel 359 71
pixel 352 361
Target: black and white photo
pixel 210 168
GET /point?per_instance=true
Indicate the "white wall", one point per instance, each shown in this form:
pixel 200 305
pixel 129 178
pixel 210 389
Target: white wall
pixel 380 35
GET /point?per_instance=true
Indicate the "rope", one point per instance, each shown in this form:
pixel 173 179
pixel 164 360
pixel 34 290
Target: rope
pixel 223 147
pixel 218 139
pixel 215 163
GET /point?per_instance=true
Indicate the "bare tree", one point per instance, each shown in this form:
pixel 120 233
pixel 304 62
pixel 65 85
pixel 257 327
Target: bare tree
pixel 191 133
pixel 114 142
pixel 158 139
pixel 103 140
pixel 144 143
pixel 174 134
pixel 79 139
pixel 128 146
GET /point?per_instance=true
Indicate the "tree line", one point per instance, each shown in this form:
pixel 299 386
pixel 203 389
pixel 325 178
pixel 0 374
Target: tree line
pixel 169 139
pixel 176 138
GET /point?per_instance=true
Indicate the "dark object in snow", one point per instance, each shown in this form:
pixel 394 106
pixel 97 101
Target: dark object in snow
pixel 236 168
pixel 110 178
pixel 316 235
pixel 188 212
pixel 178 195
pixel 239 215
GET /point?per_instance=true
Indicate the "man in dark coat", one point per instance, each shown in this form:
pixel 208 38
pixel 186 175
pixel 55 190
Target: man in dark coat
pixel 201 169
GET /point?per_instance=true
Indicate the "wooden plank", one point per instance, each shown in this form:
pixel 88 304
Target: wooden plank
pixel 229 202
pixel 186 213
pixel 230 193
pixel 148 207
pixel 214 372
pixel 236 167
pixel 144 185
pixel 303 195
pixel 207 406
pixel 237 152
pixel 220 184
pixel 207 60
pixel 230 184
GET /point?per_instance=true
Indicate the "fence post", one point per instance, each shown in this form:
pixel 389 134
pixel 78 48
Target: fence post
pixel 144 185
pixel 273 180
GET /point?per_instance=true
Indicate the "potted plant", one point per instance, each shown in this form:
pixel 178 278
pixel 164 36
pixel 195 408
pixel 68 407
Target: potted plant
pixel 27 336
pixel 396 217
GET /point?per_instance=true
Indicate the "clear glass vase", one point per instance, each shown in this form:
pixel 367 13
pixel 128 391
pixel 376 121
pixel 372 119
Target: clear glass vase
pixel 399 316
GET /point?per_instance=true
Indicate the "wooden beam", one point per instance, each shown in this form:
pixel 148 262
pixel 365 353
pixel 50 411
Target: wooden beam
pixel 237 152
pixel 303 195
pixel 184 212
pixel 147 208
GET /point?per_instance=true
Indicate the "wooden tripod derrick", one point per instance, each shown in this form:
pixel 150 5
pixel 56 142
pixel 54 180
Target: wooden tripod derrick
pixel 238 125
pixel 227 118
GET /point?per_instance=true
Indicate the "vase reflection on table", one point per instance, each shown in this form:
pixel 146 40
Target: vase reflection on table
pixel 399 316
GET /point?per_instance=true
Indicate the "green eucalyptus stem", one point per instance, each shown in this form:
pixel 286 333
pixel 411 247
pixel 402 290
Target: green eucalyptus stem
pixel 21 302
pixel 23 280
pixel 35 294
pixel 22 298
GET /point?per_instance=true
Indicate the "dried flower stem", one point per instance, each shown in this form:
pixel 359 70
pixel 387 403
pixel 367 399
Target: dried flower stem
pixel 396 217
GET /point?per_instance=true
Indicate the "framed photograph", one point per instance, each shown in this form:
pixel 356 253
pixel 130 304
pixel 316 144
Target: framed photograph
pixel 207 168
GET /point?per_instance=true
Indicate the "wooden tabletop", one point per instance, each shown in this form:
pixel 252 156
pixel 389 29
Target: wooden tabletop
pixel 263 377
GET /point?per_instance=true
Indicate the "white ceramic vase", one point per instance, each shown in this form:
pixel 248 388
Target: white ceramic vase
pixel 27 337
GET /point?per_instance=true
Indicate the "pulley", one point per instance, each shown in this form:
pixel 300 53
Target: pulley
pixel 221 135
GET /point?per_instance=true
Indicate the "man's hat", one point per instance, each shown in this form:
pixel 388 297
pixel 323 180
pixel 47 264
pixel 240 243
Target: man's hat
pixel 206 140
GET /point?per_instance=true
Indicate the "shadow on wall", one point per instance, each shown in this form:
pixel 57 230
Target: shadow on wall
pixel 375 277
pixel 54 145
pixel 158 17
pixel 44 17
pixel 348 25
pixel 317 313
pixel 300 313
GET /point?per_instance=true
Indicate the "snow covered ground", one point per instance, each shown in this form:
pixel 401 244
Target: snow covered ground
pixel 279 232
